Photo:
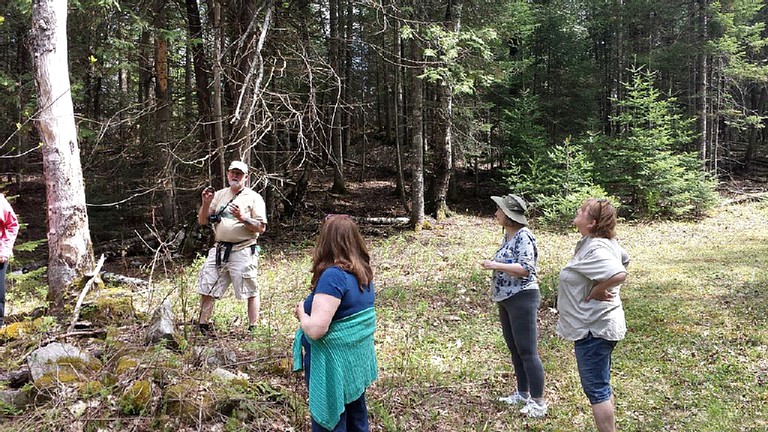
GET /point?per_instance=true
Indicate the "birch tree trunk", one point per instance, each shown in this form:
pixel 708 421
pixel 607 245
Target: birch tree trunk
pixel 417 136
pixel 335 60
pixel 70 252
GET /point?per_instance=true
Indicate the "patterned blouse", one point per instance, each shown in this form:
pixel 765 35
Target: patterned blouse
pixel 520 249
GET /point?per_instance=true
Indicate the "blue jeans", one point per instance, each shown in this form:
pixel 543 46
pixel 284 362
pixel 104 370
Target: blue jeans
pixel 355 415
pixel 353 419
pixel 593 357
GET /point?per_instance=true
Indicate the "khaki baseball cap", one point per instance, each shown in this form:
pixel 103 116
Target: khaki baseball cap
pixel 238 165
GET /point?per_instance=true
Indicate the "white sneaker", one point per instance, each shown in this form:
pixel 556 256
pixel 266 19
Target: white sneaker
pixel 514 399
pixel 534 409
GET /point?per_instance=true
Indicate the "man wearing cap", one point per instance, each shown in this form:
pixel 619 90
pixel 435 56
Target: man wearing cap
pixel 238 216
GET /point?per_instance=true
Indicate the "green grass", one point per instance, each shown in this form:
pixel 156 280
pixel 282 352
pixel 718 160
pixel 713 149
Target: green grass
pixel 695 357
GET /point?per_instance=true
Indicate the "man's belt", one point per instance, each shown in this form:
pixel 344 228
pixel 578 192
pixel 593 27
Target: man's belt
pixel 223 249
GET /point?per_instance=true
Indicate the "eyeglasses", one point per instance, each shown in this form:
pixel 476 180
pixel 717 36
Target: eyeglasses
pixel 334 215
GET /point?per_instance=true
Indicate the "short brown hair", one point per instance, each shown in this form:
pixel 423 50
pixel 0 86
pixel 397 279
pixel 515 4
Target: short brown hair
pixel 515 225
pixel 604 214
pixel 341 244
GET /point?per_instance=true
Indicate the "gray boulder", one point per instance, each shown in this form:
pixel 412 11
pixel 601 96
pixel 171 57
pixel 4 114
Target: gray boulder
pixel 56 356
pixel 162 326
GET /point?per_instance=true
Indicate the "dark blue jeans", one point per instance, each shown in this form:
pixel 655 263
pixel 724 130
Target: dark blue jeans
pixel 593 358
pixel 355 415
pixel 3 268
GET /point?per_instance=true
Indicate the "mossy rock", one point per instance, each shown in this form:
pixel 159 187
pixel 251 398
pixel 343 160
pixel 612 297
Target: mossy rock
pixel 230 380
pixel 109 380
pixel 164 375
pixel 111 307
pixel 51 383
pixel 136 398
pixel 21 329
pixel 78 365
pixel 90 389
pixel 258 400
pixel 125 364
pixel 14 402
pixel 15 330
pixel 68 370
pixel 186 401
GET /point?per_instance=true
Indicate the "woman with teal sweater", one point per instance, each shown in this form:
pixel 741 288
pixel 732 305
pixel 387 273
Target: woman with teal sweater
pixel 337 322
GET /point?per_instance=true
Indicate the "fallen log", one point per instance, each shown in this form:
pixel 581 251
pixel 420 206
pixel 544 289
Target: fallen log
pixel 122 279
pixel 745 198
pixel 382 220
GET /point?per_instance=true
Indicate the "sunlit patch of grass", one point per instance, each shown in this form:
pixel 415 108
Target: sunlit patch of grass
pixel 25 291
pixel 694 305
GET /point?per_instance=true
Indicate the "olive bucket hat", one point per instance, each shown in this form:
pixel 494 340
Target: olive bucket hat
pixel 513 206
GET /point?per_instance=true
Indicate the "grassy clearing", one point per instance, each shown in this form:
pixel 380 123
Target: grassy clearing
pixel 694 360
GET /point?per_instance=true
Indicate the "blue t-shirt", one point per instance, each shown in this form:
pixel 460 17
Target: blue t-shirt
pixel 342 285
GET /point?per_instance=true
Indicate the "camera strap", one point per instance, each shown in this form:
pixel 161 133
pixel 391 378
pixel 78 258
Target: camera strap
pixel 218 213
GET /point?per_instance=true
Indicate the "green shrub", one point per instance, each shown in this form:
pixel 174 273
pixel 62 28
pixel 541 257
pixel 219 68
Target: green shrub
pixel 556 183
pixel 645 164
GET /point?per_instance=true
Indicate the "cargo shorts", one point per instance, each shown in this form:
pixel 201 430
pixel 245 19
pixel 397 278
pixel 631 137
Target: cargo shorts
pixel 240 270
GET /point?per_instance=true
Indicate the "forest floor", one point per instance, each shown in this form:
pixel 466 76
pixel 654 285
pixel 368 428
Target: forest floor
pixel 694 358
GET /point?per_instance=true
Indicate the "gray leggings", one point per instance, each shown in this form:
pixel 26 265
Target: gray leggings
pixel 518 324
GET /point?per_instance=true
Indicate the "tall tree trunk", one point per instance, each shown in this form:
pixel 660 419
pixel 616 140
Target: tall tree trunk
pixel 216 151
pixel 617 89
pixel 703 82
pixel 145 69
pixel 757 105
pixel 70 252
pixel 241 13
pixel 718 81
pixel 334 56
pixel 417 137
pixel 201 68
pixel 397 105
pixel 444 146
pixel 347 81
pixel 163 118
pixel 249 73
pixel 271 193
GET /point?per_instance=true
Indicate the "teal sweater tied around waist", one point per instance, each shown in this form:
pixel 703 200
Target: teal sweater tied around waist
pixel 342 365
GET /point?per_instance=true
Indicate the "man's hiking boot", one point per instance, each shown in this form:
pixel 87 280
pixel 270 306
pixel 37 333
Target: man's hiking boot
pixel 206 330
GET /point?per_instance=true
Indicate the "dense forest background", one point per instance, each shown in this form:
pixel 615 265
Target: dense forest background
pixel 647 101
pixel 382 109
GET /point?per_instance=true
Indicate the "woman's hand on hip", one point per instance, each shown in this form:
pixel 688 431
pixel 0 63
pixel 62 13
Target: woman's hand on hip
pixel 599 294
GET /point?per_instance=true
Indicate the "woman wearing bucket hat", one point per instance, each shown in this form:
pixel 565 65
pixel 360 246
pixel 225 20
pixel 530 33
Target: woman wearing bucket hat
pixel 515 289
